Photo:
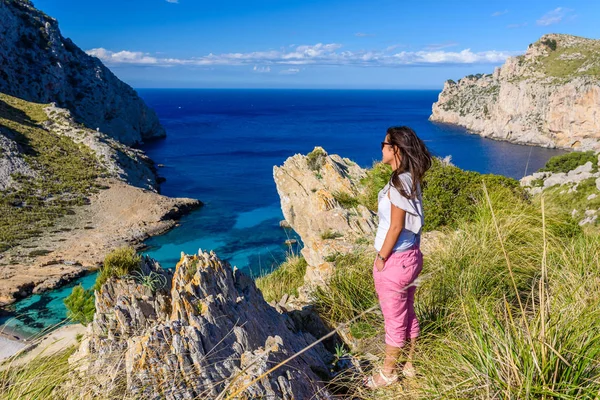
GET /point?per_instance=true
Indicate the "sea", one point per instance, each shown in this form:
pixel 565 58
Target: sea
pixel 221 147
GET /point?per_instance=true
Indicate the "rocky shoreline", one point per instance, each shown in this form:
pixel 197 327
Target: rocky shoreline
pixel 117 216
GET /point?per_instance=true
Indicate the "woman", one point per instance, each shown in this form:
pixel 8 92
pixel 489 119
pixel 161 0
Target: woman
pixel 399 259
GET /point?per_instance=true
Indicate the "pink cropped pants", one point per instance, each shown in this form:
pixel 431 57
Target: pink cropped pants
pixel 397 296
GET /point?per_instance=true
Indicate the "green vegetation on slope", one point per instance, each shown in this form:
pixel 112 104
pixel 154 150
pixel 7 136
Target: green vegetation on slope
pixel 450 194
pixel 119 263
pixel 507 306
pixel 568 61
pixel 569 161
pixel 66 173
pixel 287 278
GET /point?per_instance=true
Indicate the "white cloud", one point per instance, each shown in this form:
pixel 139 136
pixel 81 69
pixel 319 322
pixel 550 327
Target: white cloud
pixel 513 26
pixel 439 46
pixel 499 13
pixel 173 1
pixel 362 34
pixel 554 16
pixel 261 69
pixel 123 57
pixel 318 54
pixel 289 71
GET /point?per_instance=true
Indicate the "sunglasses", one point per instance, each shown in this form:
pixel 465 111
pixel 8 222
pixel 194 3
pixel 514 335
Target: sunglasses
pixel 385 143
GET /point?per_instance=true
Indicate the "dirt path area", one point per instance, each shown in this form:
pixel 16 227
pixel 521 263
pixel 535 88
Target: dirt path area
pixel 119 215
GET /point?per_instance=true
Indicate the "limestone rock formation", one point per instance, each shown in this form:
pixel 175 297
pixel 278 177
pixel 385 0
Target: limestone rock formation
pixel 38 64
pixel 206 333
pixel 11 161
pixel 311 189
pixel 550 96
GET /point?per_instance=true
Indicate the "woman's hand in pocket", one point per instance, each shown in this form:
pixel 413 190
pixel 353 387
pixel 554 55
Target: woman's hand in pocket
pixel 379 264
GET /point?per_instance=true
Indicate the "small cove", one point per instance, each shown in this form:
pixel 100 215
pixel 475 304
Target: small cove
pixel 221 148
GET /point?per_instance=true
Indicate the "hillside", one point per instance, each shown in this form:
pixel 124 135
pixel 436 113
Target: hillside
pixel 39 65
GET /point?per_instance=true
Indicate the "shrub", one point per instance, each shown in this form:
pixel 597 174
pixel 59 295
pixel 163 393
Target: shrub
pixel 316 159
pixel 570 161
pixel 80 305
pixel 450 195
pixel 287 278
pixel 118 263
pixel 507 304
pixel 551 43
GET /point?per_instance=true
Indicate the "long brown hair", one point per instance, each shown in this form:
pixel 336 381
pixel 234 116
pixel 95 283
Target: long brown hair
pixel 414 158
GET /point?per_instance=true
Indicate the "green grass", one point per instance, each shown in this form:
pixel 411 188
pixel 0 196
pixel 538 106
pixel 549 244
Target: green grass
pixel 118 263
pixel 66 173
pixel 287 278
pixel 507 306
pixel 350 290
pixel 576 199
pixel 329 234
pixel 41 378
pixel 346 200
pixel 554 66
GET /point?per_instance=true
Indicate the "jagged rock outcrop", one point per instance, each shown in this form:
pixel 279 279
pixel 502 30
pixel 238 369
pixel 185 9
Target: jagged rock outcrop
pixel 38 64
pixel 208 332
pixel 550 96
pixel 311 190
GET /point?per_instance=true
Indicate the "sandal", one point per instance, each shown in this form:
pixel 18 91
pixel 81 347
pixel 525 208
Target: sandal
pixel 409 372
pixel 387 381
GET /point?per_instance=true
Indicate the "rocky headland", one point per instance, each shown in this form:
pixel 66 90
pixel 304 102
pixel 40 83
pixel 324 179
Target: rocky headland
pixel 550 96
pixel 72 189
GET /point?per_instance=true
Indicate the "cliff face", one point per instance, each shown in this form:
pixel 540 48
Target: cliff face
pixel 204 331
pixel 311 189
pixel 38 64
pixel 550 96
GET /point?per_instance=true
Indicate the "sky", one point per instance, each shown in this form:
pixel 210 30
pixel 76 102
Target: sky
pixel 375 44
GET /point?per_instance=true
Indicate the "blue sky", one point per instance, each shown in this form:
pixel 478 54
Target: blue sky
pixel 311 44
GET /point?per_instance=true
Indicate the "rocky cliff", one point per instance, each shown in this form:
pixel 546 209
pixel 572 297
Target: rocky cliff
pixel 38 64
pixel 203 332
pixel 550 96
pixel 312 191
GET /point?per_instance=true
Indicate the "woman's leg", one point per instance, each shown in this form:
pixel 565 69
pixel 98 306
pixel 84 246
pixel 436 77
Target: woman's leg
pixel 413 328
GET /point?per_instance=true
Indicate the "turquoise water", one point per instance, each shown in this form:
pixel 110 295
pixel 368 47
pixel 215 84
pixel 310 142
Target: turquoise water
pixel 221 148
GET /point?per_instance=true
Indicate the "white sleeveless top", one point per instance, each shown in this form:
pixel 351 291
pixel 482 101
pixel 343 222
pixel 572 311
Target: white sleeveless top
pixel 414 221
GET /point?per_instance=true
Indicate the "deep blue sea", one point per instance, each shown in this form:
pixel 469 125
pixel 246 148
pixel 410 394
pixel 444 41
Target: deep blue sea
pixel 221 147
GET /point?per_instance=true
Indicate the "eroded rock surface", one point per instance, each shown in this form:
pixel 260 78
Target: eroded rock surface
pixel 550 96
pixel 207 332
pixel 310 188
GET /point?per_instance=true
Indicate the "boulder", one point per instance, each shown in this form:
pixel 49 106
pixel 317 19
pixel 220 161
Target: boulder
pixel 206 332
